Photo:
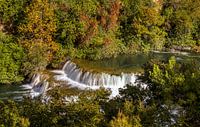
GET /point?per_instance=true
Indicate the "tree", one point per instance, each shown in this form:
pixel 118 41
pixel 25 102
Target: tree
pixel 121 121
pixel 37 35
pixel 175 86
pixel 89 28
pixel 141 23
pixel 10 115
pixel 66 107
pixel 181 19
pixel 10 11
pixel 11 58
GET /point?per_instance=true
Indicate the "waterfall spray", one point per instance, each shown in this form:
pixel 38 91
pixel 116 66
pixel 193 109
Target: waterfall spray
pixel 77 77
pixel 74 76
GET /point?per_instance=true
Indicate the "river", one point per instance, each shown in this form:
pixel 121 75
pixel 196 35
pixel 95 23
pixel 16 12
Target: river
pixel 111 73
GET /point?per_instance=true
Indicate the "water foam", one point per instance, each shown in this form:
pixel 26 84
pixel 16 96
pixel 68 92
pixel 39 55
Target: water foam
pixel 79 78
pixel 76 77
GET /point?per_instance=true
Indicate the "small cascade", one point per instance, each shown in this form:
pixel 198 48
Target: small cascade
pixel 37 86
pixel 74 76
pixel 77 77
pixel 96 79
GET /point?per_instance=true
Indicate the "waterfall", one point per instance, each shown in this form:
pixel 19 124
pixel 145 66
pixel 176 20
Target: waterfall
pixel 77 77
pixel 37 86
pixel 82 79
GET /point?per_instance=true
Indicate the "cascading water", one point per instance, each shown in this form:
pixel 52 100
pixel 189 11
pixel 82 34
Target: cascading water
pixel 76 77
pixel 37 86
pixel 33 89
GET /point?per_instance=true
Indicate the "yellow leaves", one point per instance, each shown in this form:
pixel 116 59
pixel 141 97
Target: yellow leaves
pixel 114 14
pixel 172 63
pixel 40 20
pixel 157 75
pixel 37 31
pixel 46 49
pixel 151 16
pixel 120 121
pixel 125 121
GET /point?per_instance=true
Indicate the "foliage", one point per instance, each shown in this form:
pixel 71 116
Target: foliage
pixel 89 27
pixel 10 115
pixel 175 85
pixel 181 18
pixel 141 23
pixel 9 9
pixel 83 109
pixel 11 58
pixel 37 32
pixel 40 34
pixel 11 13
pixel 120 121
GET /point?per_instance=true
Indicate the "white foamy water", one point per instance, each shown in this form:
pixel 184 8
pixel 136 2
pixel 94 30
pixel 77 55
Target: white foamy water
pixel 76 77
pixel 37 86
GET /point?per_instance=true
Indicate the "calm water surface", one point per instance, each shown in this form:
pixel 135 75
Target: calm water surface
pixel 132 63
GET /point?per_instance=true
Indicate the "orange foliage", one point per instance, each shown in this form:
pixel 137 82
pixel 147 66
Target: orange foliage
pixel 39 27
pixel 91 27
pixel 108 21
pixel 114 14
pixel 107 41
pixel 103 14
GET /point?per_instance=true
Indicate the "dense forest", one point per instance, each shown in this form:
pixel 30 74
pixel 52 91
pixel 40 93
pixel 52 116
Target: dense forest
pixel 36 35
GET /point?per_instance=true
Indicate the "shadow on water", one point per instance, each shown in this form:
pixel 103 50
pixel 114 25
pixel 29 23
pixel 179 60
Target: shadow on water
pixel 131 63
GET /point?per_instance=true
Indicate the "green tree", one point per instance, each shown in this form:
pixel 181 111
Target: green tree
pixel 141 23
pixel 66 107
pixel 9 9
pixel 10 115
pixel 10 14
pixel 11 58
pixel 176 86
pixel 181 18
pixel 121 121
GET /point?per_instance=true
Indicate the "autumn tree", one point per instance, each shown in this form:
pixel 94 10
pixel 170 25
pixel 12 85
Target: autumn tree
pixel 89 28
pixel 37 34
